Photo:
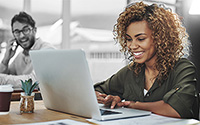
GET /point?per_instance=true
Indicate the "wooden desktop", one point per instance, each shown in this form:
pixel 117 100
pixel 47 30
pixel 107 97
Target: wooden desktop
pixel 41 114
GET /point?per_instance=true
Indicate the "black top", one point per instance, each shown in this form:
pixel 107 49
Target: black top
pixel 179 90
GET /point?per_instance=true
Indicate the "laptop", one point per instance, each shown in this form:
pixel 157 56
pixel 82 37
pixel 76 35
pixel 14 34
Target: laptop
pixel 66 85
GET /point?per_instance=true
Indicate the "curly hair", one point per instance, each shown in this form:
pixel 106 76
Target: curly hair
pixel 168 34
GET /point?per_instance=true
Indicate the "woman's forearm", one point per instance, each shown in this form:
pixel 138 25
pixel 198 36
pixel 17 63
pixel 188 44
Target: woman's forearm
pixel 158 107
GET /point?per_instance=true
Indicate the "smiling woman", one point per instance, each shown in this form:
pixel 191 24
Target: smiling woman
pixel 140 42
pixel 157 78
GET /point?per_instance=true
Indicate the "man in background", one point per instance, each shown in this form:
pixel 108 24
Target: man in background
pixel 24 33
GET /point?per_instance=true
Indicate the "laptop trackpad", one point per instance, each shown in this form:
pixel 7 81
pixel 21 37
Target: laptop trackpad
pixel 108 112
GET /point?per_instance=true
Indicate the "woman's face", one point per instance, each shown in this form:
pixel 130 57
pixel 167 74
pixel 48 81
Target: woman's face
pixel 140 43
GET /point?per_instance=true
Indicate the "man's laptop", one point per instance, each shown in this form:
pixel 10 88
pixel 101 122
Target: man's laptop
pixel 66 85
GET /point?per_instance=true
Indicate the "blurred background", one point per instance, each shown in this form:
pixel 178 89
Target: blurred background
pixel 88 24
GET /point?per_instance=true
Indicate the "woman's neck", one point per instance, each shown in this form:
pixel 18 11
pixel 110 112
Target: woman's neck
pixel 150 73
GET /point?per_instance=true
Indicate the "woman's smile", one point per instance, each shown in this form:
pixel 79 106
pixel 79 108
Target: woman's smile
pixel 140 42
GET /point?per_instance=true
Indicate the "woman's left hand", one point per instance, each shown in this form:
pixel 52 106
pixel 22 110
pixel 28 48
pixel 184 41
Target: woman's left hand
pixel 128 104
pixel 158 107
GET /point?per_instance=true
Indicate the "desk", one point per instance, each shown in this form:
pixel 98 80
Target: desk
pixel 41 114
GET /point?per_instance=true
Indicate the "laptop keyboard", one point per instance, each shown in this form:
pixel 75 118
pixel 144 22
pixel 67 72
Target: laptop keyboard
pixel 108 112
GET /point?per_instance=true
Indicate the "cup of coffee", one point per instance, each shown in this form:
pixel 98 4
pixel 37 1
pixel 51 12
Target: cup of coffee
pixel 5 97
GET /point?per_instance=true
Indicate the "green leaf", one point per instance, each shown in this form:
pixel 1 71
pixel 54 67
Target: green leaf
pixel 28 87
pixel 33 87
pixel 24 86
pixel 23 89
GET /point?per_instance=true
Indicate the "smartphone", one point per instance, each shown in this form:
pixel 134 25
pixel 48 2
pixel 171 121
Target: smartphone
pixel 15 44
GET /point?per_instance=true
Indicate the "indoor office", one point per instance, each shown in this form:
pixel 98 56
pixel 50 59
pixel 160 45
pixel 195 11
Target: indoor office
pixel 83 31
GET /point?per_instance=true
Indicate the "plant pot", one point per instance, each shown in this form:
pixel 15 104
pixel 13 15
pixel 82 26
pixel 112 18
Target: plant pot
pixel 27 103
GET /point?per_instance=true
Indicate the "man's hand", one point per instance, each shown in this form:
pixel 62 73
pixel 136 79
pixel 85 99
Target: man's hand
pixel 10 51
pixel 108 100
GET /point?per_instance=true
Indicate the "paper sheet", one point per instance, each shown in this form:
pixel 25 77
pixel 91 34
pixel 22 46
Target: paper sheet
pixel 153 119
pixel 58 122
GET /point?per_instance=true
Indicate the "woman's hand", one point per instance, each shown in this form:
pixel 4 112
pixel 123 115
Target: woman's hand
pixel 108 100
pixel 158 107
pixel 100 97
pixel 128 104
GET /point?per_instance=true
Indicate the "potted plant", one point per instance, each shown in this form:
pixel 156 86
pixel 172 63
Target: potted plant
pixel 27 97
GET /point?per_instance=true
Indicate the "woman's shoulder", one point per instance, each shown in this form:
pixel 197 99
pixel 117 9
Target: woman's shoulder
pixel 184 63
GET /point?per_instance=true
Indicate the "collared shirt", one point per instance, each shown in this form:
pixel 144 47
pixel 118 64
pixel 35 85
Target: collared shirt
pixel 21 67
pixel 179 90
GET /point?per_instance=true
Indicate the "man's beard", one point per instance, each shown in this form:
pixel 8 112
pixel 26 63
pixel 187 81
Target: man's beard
pixel 31 43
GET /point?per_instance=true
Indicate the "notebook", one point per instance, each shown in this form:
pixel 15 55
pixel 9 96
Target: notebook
pixel 66 85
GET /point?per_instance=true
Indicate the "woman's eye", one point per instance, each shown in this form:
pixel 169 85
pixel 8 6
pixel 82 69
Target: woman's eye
pixel 129 40
pixel 141 39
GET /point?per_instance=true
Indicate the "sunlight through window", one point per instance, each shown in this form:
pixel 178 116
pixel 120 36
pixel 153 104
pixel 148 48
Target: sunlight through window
pixel 194 8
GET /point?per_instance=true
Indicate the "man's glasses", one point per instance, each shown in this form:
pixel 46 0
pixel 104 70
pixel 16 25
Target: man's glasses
pixel 25 31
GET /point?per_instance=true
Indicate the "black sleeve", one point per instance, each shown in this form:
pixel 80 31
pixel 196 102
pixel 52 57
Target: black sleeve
pixel 183 96
pixel 113 85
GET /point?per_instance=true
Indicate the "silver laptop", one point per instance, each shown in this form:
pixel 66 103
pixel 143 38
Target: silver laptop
pixel 66 85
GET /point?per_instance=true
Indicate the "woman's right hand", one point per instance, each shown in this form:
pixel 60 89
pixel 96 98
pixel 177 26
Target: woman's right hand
pixel 108 100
